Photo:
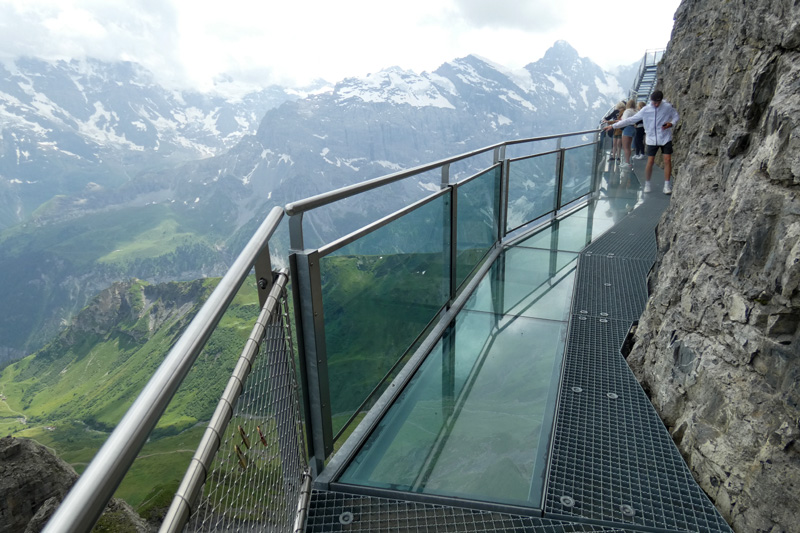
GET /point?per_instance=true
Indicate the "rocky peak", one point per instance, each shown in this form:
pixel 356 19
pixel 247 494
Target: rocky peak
pixel 136 308
pixel 561 52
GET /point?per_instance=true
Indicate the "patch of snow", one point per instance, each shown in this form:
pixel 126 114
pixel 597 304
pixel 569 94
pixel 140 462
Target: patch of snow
pixel 390 165
pixel 558 85
pixel 397 87
pixel 520 77
pixel 246 180
pixel 105 133
pixel 444 83
pixel 611 89
pixel 511 95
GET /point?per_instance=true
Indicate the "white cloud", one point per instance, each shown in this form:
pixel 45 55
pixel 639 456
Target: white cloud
pixel 189 43
pixel 521 15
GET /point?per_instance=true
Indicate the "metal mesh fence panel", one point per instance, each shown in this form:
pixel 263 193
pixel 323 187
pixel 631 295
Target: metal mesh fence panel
pixel 256 477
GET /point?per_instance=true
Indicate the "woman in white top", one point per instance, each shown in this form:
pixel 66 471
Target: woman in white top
pixel 628 132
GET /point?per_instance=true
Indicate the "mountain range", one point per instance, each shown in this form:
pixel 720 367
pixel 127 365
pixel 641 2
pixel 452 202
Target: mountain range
pixel 105 176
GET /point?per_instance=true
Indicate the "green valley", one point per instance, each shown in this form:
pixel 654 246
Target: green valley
pixel 71 394
pixel 58 265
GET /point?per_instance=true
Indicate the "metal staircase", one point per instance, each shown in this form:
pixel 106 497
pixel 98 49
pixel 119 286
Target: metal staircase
pixel 645 81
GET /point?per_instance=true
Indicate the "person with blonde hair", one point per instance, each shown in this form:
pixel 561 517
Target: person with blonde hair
pixel 616 116
pixel 628 132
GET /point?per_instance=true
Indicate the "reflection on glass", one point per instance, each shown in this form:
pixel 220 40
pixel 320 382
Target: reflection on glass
pixel 619 193
pixel 478 202
pixel 378 294
pixel 578 164
pixel 572 233
pixel 531 189
pixel 528 282
pixel 475 420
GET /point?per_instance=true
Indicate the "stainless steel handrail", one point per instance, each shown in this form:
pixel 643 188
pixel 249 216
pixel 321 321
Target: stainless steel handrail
pixel 313 202
pixel 85 502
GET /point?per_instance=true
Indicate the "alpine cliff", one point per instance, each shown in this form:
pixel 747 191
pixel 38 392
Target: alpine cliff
pixel 718 347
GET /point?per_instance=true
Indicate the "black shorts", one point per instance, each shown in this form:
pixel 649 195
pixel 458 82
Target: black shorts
pixel 651 150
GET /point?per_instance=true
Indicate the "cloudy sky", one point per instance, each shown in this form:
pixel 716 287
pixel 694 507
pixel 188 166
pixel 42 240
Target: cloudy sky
pixel 189 43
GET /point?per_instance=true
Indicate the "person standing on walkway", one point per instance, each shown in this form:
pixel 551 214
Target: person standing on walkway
pixel 613 117
pixel 627 133
pixel 659 118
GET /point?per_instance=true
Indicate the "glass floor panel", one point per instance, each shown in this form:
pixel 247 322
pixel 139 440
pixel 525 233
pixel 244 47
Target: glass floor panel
pixel 475 420
pixel 572 233
pixel 527 282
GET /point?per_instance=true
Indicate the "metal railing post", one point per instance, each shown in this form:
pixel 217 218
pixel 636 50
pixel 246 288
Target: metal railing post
pixel 596 158
pixel 264 276
pixel 296 241
pixel 559 178
pixel 452 236
pixel 502 204
pixel 310 324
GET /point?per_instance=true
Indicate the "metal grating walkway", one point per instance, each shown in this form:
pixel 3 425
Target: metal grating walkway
pixel 336 511
pixel 613 465
pixel 613 460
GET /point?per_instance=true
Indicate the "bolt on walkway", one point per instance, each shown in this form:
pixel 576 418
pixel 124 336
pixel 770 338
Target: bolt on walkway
pixel 490 437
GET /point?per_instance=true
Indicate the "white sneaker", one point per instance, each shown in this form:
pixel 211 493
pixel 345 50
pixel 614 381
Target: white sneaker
pixel 647 187
pixel 667 187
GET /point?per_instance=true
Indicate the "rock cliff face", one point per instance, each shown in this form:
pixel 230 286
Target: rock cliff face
pixel 33 482
pixel 718 347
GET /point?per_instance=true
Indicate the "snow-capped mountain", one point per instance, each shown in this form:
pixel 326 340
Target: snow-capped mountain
pixel 65 125
pixel 396 119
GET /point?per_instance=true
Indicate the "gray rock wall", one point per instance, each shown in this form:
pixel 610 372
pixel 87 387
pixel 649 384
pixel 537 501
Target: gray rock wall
pixel 718 347
pixel 33 482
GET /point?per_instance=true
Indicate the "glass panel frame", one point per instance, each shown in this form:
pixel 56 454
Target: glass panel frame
pixel 529 176
pixel 578 173
pixel 476 235
pixel 396 267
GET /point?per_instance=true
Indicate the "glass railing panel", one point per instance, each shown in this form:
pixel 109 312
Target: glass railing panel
pixel 578 171
pixel 516 151
pixel 379 292
pixel 475 420
pixel 477 226
pixel 527 282
pixel 531 189
pixel 327 223
pixel 574 232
